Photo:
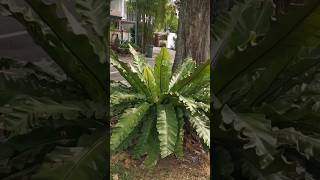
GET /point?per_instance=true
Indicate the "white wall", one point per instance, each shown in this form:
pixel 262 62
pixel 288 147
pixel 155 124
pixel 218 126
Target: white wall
pixel 117 8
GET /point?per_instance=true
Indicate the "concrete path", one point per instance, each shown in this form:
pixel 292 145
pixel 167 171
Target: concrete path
pixel 114 74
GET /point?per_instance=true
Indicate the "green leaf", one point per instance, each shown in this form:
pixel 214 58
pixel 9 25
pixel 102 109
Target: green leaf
pixel 255 129
pixel 162 70
pixel 198 79
pixel 183 71
pixel 194 106
pixel 200 124
pixel 126 123
pixel 309 146
pixel 153 149
pixel 93 13
pixel 148 126
pixel 138 60
pixel 78 45
pixel 86 161
pixel 24 113
pixel 133 78
pixel 167 126
pixel 296 29
pixel 47 38
pixel 241 26
pixel 119 97
pixel 151 83
pixel 180 140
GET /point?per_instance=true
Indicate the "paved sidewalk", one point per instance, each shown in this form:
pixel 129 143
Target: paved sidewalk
pixel 114 74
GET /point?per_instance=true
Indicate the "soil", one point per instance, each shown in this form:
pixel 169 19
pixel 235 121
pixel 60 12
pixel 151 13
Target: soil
pixel 194 166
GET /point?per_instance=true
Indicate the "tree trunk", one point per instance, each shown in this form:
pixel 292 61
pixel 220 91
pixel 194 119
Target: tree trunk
pixel 193 39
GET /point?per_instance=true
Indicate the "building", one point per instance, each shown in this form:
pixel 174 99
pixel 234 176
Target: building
pixel 122 23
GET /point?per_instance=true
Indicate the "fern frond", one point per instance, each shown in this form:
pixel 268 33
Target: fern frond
pixel 180 140
pixel 151 83
pixel 153 149
pixel 200 123
pixel 167 127
pixel 162 70
pixel 86 161
pixel 146 131
pixel 192 105
pixel 183 71
pixel 24 113
pixel 133 78
pixel 130 119
pixel 138 60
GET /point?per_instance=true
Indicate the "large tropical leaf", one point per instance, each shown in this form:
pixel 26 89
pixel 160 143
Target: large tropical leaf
pixel 162 69
pixel 201 124
pixel 246 22
pixel 126 123
pixel 195 81
pixel 167 126
pixel 83 65
pixel 151 83
pixel 184 70
pixel 86 161
pixel 146 131
pixel 265 103
pixel 24 113
pixel 134 78
pixel 287 35
pixel 94 14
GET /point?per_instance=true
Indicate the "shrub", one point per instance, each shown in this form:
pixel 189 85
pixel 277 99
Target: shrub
pixel 156 104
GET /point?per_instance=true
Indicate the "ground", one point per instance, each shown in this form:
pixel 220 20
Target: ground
pixel 191 167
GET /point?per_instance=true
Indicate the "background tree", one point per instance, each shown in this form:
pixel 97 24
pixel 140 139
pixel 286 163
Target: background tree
pixel 149 15
pixel 193 37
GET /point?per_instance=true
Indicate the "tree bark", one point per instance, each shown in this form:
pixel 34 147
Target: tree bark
pixel 193 38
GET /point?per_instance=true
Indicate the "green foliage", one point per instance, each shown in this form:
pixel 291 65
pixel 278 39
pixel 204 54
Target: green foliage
pixel 165 102
pixel 67 38
pixel 266 104
pixel 52 113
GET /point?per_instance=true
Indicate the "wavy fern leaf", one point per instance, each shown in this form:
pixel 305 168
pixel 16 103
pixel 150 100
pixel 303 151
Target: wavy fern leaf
pixel 126 123
pixel 162 69
pixel 247 21
pixel 183 71
pixel 180 140
pixel 200 124
pixel 77 44
pixel 133 77
pixel 123 97
pixel 146 131
pixel 87 161
pixel 192 83
pixel 25 113
pixel 44 36
pixel 153 149
pixel 193 106
pixel 309 146
pixel 254 128
pixel 151 83
pixel 138 60
pixel 167 126
pixel 94 14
